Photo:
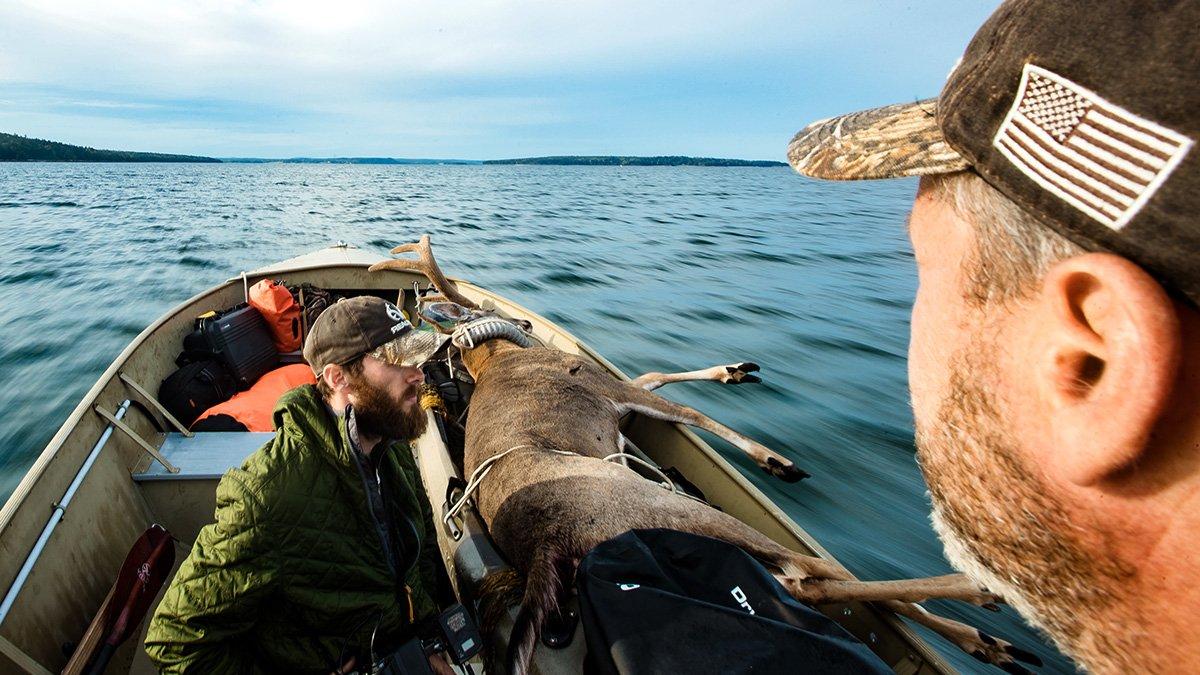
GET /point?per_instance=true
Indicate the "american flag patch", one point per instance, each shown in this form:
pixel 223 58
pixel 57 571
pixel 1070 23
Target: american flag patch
pixel 1099 158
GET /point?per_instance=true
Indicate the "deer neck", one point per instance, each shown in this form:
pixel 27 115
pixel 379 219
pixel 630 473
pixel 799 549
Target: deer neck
pixel 478 358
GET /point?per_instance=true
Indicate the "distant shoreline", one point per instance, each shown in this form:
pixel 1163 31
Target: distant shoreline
pixel 344 160
pixel 14 148
pixel 611 160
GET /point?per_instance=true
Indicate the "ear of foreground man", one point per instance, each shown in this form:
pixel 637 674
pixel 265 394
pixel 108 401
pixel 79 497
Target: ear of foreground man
pixel 1105 347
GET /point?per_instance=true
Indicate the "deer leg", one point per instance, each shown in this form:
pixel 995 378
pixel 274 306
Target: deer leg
pixel 816 581
pixel 828 591
pixel 734 373
pixel 634 398
pixel 982 646
pixel 901 597
pixel 971 640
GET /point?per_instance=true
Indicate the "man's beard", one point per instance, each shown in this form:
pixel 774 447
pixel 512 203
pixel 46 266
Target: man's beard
pixel 1003 526
pixel 378 413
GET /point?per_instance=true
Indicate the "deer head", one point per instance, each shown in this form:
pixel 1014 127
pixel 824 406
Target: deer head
pixel 448 311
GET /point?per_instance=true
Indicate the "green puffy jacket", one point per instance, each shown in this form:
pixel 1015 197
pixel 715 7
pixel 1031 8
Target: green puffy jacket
pixel 293 573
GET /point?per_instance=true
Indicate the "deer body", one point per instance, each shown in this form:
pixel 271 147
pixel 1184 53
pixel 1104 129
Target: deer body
pixel 538 491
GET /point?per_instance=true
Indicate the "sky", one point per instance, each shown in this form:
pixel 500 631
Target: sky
pixel 464 79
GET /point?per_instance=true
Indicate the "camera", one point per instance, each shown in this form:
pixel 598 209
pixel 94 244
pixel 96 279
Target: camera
pixel 456 634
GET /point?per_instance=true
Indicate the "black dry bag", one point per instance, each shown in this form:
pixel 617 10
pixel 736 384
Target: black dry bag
pixel 194 388
pixel 661 601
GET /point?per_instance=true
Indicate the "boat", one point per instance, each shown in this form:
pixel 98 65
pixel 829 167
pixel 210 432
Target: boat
pixel 118 465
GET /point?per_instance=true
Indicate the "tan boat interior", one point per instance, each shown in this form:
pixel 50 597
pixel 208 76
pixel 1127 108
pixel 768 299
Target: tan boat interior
pixel 127 490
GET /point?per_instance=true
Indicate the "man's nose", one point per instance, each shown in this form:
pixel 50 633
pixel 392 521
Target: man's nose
pixel 415 376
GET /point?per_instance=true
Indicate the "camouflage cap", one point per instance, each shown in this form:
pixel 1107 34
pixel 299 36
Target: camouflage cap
pixel 1083 114
pixel 888 142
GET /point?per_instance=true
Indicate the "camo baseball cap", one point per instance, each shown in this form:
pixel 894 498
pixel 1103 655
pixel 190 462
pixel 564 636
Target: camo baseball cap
pixel 368 325
pixel 1084 114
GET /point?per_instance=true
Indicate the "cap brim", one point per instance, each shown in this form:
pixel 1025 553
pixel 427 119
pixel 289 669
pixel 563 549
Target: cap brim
pixel 413 348
pixel 888 142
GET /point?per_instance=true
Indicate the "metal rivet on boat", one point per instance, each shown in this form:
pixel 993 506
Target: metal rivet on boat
pixel 847 611
pixel 874 638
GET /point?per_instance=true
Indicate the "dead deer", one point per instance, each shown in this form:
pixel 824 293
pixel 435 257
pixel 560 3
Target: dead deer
pixel 541 426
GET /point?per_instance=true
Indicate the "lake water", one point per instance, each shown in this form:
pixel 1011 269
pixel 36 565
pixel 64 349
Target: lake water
pixel 659 268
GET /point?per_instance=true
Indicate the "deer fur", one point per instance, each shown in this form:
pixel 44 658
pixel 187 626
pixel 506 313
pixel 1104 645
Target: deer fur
pixel 553 498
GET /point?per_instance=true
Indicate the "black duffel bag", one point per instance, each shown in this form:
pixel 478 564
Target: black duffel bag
pixel 194 388
pixel 661 601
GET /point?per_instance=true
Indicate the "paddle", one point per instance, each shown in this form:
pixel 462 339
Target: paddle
pixel 143 573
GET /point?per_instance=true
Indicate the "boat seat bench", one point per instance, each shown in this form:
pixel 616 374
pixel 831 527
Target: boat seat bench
pixel 205 455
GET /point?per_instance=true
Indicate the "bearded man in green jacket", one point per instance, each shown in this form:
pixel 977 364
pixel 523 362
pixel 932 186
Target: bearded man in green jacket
pixel 323 551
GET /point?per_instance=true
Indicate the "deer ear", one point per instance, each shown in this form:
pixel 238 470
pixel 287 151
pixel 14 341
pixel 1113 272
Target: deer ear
pixel 1110 348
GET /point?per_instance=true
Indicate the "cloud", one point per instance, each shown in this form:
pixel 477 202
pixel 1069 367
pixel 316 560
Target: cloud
pixel 264 48
pixel 456 78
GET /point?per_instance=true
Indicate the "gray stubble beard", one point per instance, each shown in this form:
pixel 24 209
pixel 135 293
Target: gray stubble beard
pixel 1001 526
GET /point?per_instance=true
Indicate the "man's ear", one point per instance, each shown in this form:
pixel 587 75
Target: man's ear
pixel 1109 355
pixel 334 376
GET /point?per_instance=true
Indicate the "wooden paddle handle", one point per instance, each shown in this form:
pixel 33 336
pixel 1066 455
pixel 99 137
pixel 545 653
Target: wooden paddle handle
pixel 91 639
pixel 100 663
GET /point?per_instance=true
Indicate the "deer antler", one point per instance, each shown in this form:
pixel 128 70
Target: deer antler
pixel 425 265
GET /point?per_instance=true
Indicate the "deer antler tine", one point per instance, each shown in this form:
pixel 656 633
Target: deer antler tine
pixel 402 265
pixel 427 266
pixel 405 248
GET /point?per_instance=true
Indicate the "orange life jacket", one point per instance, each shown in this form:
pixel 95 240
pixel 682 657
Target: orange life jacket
pixel 280 311
pixel 252 408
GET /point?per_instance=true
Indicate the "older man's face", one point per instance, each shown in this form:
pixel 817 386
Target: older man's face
pixel 1000 519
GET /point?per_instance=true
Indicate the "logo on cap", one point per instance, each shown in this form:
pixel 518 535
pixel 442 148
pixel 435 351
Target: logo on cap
pixel 393 312
pixel 1094 155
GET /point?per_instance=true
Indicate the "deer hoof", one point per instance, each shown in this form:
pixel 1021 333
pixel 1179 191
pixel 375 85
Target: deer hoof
pixel 788 473
pixel 740 373
pixel 1003 655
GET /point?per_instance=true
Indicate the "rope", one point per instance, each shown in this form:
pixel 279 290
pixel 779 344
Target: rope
pixel 667 483
pixel 431 399
pixel 485 468
pixel 481 472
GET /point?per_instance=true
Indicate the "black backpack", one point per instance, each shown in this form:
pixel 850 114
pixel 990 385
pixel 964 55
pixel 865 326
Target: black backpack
pixel 194 388
pixel 661 601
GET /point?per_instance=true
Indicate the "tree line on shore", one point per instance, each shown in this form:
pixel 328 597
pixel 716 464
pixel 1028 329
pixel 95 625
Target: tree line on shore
pixel 611 160
pixel 14 148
